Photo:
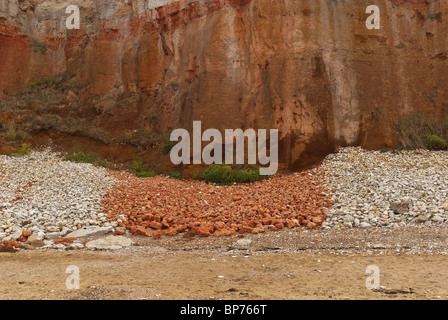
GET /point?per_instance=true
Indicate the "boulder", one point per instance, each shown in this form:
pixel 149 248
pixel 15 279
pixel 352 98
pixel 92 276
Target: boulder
pixel 90 232
pixel 109 243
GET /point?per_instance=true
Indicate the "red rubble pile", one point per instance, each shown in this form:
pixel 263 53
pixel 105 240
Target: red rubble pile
pixel 165 206
pixel 10 246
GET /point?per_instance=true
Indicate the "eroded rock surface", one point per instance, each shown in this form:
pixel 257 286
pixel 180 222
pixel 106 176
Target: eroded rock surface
pixel 309 68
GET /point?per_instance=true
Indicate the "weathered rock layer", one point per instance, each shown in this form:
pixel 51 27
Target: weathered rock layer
pixel 309 68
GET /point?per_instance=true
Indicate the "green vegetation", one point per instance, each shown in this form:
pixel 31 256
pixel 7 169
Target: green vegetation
pixel 53 103
pixel 69 125
pixel 168 145
pixel 434 142
pixel 176 175
pixel 12 132
pixel 225 174
pixel 33 105
pixel 138 169
pixel 420 132
pixel 83 157
pixel 24 150
pixel 48 82
pixel 138 138
pixel 39 47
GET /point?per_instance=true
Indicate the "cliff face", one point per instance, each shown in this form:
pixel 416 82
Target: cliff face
pixel 309 68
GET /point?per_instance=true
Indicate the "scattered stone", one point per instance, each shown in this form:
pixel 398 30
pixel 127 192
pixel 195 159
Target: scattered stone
pixel 422 219
pixel 90 232
pixel 52 235
pixel 65 240
pixel 26 233
pixel 119 231
pixel 109 243
pixel 379 246
pixel 44 194
pixel 36 236
pixel 58 246
pixel 35 243
pixel 386 189
pixel 400 207
pixel 437 218
pixel 76 246
pixel 365 225
pixel 243 242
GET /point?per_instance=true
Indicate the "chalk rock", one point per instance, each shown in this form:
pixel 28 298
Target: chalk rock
pixel 90 232
pixel 109 243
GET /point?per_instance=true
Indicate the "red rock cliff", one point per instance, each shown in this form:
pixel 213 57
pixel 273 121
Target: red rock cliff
pixel 310 68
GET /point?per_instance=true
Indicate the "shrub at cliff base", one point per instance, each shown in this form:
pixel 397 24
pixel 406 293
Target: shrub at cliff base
pixel 225 174
pixel 420 132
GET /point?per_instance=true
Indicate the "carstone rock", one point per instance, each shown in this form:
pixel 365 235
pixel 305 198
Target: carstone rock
pixel 232 56
pixel 225 232
pixel 422 218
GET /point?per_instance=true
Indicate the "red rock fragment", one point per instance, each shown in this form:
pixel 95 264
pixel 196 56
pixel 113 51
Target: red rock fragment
pixel 318 220
pixel 26 233
pixel 9 243
pixel 155 225
pixel 161 206
pixel 311 225
pixel 225 232
pixel 119 232
pixel 138 231
pixel 169 232
pixel 65 240
pixel 157 234
pixel 202 230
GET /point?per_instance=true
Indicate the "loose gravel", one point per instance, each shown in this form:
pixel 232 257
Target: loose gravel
pixel 387 189
pixel 42 194
pixel 165 206
pixel 45 198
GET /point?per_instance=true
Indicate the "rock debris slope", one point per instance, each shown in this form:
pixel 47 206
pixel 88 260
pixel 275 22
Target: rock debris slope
pixel 375 189
pixel 164 206
pixel 46 198
pixel 42 194
pixel 309 68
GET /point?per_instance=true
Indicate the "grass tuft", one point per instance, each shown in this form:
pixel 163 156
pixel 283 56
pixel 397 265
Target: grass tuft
pixel 137 168
pixel 83 157
pixel 420 132
pixel 226 175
